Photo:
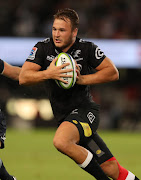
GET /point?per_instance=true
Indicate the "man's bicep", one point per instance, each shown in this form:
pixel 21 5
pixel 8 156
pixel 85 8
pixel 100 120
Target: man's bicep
pixel 30 66
pixel 105 63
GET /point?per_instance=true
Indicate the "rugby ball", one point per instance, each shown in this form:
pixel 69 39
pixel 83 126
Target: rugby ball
pixel 62 59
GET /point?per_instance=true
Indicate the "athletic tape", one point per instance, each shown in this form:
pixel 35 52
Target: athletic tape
pixel 87 160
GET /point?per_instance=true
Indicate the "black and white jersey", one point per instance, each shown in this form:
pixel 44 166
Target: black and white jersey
pixel 88 57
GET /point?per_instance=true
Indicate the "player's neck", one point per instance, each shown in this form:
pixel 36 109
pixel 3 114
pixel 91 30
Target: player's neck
pixel 68 47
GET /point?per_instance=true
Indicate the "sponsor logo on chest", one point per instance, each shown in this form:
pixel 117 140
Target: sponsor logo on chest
pixel 76 56
pixel 50 58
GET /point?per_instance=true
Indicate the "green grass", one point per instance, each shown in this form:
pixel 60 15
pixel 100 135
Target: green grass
pixel 31 155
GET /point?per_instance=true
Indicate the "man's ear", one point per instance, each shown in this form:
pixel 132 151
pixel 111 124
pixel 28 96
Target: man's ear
pixel 75 31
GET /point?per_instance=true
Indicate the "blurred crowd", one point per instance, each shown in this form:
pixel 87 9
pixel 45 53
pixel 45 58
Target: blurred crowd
pixel 98 19
pixel 120 101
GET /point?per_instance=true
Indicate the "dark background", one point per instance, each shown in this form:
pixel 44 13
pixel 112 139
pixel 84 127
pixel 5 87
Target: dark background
pixel 106 19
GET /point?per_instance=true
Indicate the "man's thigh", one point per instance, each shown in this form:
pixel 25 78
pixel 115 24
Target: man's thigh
pixel 67 132
pixel 87 121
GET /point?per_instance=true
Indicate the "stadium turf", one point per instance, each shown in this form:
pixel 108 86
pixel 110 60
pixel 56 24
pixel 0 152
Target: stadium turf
pixel 30 154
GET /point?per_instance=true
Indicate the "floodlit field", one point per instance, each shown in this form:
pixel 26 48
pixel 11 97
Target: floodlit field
pixel 30 155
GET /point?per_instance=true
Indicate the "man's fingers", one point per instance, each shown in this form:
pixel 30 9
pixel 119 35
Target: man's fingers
pixel 77 67
pixel 66 70
pixel 64 65
pixel 54 60
pixel 65 75
pixel 63 80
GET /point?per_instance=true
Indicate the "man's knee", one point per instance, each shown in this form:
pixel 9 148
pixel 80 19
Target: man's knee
pixel 60 144
pixel 111 168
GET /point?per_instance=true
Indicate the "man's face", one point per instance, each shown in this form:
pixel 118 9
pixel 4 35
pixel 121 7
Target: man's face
pixel 62 34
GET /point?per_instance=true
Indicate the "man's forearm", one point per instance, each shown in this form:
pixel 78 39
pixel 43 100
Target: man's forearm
pixel 103 76
pixel 29 77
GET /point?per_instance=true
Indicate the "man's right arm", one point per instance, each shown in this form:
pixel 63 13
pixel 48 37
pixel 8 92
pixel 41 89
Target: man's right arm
pixel 31 74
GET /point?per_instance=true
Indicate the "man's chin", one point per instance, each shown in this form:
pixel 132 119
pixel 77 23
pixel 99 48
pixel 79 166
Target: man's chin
pixel 59 46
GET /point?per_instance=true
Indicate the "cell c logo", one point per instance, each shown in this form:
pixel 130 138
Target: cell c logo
pixel 98 53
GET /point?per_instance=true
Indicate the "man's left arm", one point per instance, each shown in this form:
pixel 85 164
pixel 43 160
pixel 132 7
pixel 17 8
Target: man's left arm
pixel 11 71
pixel 106 72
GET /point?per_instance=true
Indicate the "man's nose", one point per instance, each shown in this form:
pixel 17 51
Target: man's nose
pixel 57 33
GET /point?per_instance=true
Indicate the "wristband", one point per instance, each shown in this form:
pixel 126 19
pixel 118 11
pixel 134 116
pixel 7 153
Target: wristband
pixel 1 66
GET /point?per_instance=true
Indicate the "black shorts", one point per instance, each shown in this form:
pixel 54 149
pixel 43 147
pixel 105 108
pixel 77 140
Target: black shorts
pixel 2 129
pixel 87 121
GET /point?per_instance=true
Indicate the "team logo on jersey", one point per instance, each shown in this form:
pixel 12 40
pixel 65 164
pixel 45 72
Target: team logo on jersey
pixel 91 117
pixel 33 53
pixel 77 53
pixel 98 53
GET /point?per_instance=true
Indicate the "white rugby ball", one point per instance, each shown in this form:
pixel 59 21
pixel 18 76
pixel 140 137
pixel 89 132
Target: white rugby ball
pixel 62 59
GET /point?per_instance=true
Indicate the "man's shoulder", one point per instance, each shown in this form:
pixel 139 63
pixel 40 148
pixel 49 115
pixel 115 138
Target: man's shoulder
pixel 84 42
pixel 46 41
pixel 46 44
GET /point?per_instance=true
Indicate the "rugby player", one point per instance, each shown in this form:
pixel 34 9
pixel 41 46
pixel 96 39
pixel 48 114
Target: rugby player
pixel 77 114
pixel 13 73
